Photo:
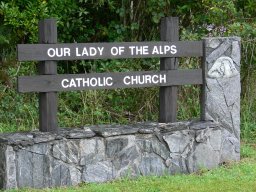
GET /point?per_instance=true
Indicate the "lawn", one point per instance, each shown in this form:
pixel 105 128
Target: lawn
pixel 235 176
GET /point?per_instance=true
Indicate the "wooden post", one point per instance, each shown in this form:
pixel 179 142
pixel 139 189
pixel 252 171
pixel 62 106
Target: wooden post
pixel 48 100
pixel 203 86
pixel 168 95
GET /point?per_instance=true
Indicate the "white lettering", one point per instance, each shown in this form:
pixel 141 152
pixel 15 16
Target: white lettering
pixel 66 51
pixel 77 52
pixel 144 79
pixel 141 79
pixel 162 78
pixel 173 49
pixel 100 83
pixel 64 85
pixel 120 50
pixel 161 50
pixel 147 79
pixel 155 79
pixel 109 81
pixel 131 48
pixel 51 52
pixel 59 52
pixel 134 80
pixel 101 50
pixel 72 83
pixel 167 48
pixel 139 50
pixel 114 51
pixel 89 51
pixel 85 52
pixel 93 82
pixel 79 81
pixel 145 50
pixel 117 50
pixel 86 82
pixel 93 51
pixel 155 50
pixel 125 80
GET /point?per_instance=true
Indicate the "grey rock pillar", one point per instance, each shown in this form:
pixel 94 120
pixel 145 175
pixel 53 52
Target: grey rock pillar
pixel 222 83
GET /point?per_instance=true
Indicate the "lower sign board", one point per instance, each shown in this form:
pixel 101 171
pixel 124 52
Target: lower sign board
pixel 52 83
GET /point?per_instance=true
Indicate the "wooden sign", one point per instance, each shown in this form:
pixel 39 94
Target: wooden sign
pixel 52 83
pixel 48 83
pixel 83 51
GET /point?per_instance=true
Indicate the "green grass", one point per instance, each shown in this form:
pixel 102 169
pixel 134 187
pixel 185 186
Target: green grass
pixel 6 128
pixel 236 176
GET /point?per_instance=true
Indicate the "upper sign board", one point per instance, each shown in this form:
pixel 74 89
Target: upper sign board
pixel 84 51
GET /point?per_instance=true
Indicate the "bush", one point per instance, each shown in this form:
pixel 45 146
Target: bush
pixel 112 20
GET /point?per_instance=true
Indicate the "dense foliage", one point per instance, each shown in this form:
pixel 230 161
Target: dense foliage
pixel 118 20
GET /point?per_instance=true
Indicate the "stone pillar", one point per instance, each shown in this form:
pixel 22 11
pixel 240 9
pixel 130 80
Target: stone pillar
pixel 222 87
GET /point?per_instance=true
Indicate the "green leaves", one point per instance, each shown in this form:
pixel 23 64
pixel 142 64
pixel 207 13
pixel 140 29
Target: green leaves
pixel 113 21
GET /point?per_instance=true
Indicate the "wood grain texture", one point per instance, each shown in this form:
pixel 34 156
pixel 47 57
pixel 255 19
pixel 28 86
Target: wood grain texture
pixel 168 95
pixel 203 86
pixel 52 83
pixel 38 52
pixel 48 101
pixel 169 49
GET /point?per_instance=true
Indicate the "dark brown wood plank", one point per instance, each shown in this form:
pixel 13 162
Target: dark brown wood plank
pixel 203 86
pixel 52 83
pixel 48 100
pixel 84 51
pixel 168 95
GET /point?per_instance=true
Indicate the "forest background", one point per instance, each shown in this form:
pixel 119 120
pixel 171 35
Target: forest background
pixel 85 21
